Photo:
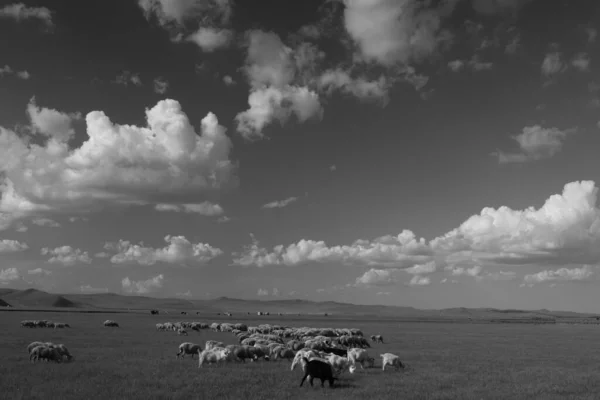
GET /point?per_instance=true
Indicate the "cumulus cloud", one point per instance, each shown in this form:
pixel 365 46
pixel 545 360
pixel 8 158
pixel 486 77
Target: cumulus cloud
pixel 223 219
pixel 12 246
pixel 401 251
pixel 178 251
pixel 117 164
pixel 52 123
pixel 565 229
pixel 206 208
pixel 127 77
pixel 418 280
pixel 419 269
pixel 102 254
pixel 581 62
pixel 376 277
pixel 209 39
pixel 9 275
pixel 142 287
pixel 46 222
pixel 7 70
pixel 39 271
pixel 462 271
pixel 20 12
pixel 552 65
pixel 262 292
pixel 536 143
pixel 161 85
pixel 228 80
pixel 280 203
pixel 561 275
pixel 66 255
pixel 395 31
pixel 359 86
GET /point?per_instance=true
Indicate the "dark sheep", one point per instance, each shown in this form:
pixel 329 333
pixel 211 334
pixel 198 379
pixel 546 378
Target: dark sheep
pixel 336 351
pixel 317 369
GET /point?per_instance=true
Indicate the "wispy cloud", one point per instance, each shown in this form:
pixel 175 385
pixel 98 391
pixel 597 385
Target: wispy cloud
pixel 280 203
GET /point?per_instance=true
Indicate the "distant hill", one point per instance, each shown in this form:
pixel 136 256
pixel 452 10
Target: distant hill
pixel 4 304
pixel 33 298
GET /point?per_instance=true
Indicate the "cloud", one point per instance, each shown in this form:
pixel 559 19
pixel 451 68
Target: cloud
pixel 358 86
pixel 561 275
pixel 90 289
pixel 592 34
pixel 9 275
pixel 581 62
pixel 20 227
pixel 75 219
pixel 275 292
pixel 395 31
pixel 376 277
pixel 51 123
pixel 161 85
pixel 117 164
pixel 426 268
pixel 12 246
pixel 401 251
pixel 46 222
pixel 228 80
pixel 178 251
pixel 39 271
pixel 186 294
pixel 498 276
pixel 66 255
pixel 223 219
pixel 333 168
pixel 206 208
pixel 280 203
pixel 178 11
pixel 418 280
pixel 142 287
pixel 565 229
pixel 209 39
pixel 536 143
pixel 475 64
pixel 461 271
pixel 127 77
pixel 20 12
pixel 102 254
pixel 262 292
pixel 552 64
pixel 7 70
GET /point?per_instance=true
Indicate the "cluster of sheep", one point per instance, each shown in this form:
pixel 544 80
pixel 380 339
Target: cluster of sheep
pixel 43 324
pixel 48 351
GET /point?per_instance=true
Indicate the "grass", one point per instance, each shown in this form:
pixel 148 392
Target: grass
pixel 444 361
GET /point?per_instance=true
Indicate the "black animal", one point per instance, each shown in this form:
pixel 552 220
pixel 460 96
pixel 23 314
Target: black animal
pixel 336 351
pixel 153 312
pixel 318 369
pixel 183 313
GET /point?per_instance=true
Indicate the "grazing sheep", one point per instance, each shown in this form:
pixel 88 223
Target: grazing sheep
pixel 188 348
pixel 213 356
pixel 284 353
pixel 182 331
pixel 391 359
pixel 44 352
pixel 377 338
pixel 153 312
pixel 317 369
pixel 211 344
pixel 109 323
pixel 64 352
pixel 358 355
pixel 336 351
pixel 339 364
pixel 33 345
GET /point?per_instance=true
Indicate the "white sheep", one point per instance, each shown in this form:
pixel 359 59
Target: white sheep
pixel 360 356
pixel 391 359
pixel 188 348
pixel 213 356
pixel 211 344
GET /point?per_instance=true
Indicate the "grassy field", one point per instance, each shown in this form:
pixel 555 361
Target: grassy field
pixel 444 361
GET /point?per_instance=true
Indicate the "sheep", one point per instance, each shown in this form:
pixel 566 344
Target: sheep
pixel 359 355
pixel 212 356
pixel 182 331
pixel 377 338
pixel 339 364
pixel 336 351
pixel 242 353
pixel 391 359
pixel 317 369
pixel 109 323
pixel 284 353
pixel 188 348
pixel 64 352
pixel 44 352
pixel 305 353
pixel 33 345
pixel 211 344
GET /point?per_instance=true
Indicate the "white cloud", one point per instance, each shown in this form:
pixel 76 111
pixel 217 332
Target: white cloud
pixel 418 280
pixel 186 294
pixel 498 276
pixel 9 275
pixel 275 292
pixel 206 208
pixel 395 31
pixel 142 287
pixel 552 64
pixel 401 251
pixel 426 268
pixel 102 254
pixel 359 86
pixel 280 203
pixel 52 123
pixel 566 229
pixel 178 11
pixel 46 222
pixel 128 77
pixel 228 80
pixel 19 12
pixel 561 274
pixel 88 289
pixel 209 39
pixel 262 292
pixel 333 168
pixel 178 251
pixel 223 219
pixel 117 164
pixel 475 64
pixel 66 255
pixel 536 143
pixel 460 271
pixel 39 271
pixel 161 85
pixel 12 246
pixel 376 277
pixel 581 62
pixel 592 34
pixel 19 227
pixel 7 70
pixel 75 219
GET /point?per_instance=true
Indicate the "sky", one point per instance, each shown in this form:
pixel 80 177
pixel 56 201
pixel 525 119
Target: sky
pixel 431 154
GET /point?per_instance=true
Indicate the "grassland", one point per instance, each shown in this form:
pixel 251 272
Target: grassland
pixel 444 361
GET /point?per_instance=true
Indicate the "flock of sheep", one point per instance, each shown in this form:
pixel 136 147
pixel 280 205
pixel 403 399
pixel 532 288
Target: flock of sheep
pixel 323 353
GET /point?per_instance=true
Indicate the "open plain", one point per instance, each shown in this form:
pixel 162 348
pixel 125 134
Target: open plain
pixel 444 360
